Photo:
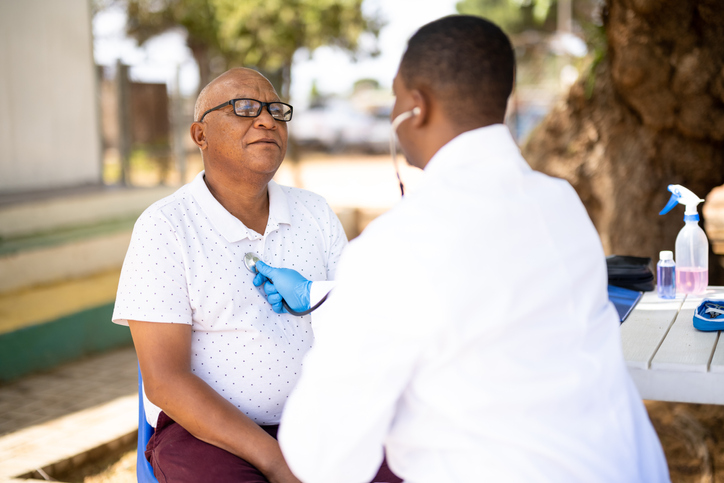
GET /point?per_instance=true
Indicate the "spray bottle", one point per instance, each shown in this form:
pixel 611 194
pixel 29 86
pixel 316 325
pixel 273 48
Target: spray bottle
pixel 692 247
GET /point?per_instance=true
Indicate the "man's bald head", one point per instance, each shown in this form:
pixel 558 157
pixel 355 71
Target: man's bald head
pixel 467 63
pixel 215 90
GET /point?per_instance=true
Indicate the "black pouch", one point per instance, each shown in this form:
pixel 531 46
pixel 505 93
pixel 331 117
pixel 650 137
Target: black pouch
pixel 634 273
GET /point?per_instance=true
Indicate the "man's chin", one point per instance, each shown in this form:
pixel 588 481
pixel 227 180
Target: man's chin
pixel 265 164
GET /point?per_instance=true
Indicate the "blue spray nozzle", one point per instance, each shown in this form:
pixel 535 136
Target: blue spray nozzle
pixel 673 201
pixel 679 194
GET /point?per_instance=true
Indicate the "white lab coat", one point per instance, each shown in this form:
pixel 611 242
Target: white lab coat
pixel 470 335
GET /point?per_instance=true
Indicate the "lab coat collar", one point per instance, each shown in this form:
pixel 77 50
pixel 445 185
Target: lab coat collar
pixel 230 227
pixel 485 143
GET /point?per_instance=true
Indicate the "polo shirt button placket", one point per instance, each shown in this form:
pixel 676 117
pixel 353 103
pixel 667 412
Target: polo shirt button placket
pixel 258 248
pixel 268 256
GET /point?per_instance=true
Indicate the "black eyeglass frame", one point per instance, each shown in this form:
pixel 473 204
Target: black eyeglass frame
pixel 258 113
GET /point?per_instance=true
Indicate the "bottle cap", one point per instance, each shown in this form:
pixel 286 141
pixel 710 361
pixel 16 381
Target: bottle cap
pixel 666 255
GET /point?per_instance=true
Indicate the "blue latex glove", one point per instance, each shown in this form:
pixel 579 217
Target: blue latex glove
pixel 286 283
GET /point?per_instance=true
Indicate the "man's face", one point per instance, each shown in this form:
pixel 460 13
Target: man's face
pixel 240 146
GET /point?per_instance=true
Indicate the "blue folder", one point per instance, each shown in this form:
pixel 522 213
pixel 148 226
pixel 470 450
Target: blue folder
pixel 624 300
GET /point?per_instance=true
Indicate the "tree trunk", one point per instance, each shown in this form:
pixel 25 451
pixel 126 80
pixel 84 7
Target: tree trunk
pixel 201 55
pixel 649 114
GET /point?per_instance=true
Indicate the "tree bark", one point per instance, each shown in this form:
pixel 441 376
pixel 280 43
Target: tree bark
pixel 649 114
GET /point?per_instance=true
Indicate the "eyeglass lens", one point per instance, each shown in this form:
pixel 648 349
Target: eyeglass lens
pixel 252 108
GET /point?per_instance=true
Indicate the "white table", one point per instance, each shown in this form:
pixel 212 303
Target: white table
pixel 668 359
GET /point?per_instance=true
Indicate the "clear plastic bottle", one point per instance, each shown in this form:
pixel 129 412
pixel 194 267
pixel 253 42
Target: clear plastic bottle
pixel 692 258
pixel 692 247
pixel 666 275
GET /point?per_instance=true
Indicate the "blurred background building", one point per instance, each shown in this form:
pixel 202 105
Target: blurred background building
pixel 48 83
pixel 63 230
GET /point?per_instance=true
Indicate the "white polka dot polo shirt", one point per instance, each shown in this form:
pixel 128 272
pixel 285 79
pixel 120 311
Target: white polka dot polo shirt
pixel 185 265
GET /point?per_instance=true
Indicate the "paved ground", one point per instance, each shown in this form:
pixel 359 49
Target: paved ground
pixel 51 417
pixel 70 388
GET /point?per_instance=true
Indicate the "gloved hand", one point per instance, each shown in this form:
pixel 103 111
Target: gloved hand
pixel 286 283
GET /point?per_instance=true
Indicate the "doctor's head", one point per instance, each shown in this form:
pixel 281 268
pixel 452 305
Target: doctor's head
pixel 459 72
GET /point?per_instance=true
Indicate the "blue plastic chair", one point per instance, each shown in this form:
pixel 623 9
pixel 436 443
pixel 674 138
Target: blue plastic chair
pixel 144 470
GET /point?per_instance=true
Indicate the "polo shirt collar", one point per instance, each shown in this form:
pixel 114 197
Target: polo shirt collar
pixel 278 207
pixel 230 227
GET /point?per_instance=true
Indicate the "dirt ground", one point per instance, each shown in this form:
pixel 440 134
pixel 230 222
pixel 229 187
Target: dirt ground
pixel 692 436
pixel 119 469
pixel 693 439
pixel 122 471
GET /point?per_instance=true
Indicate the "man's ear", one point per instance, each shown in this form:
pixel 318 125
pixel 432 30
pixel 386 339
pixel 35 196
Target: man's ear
pixel 198 134
pixel 422 105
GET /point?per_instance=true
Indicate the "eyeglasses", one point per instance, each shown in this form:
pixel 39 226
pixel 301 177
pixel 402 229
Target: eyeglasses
pixel 252 108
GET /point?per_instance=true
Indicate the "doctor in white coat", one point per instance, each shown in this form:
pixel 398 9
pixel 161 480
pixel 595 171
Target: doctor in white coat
pixel 469 335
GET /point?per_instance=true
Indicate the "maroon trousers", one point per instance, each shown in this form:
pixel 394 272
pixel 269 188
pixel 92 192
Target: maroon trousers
pixel 178 457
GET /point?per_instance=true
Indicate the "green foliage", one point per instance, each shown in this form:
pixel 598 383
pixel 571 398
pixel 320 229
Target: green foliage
pixel 513 16
pixel 516 16
pixel 598 46
pixel 263 34
pixel 362 84
pixel 148 18
pixel 267 33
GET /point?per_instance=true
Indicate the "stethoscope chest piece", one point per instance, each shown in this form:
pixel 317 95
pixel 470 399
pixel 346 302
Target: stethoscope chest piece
pixel 250 260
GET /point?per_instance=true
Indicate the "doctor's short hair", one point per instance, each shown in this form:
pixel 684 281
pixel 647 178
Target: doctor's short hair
pixel 467 62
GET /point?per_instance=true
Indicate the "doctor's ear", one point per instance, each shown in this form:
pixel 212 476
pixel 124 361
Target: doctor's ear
pixel 421 108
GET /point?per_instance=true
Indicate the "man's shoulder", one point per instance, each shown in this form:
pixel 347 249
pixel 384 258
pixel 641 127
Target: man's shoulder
pixel 177 202
pixel 310 199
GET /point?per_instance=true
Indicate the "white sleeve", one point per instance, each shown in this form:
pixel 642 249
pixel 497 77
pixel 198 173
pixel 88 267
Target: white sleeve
pixel 367 343
pixel 153 285
pixel 319 290
pixel 337 244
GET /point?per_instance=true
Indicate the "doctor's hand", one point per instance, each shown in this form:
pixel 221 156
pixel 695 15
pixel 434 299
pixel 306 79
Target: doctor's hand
pixel 286 283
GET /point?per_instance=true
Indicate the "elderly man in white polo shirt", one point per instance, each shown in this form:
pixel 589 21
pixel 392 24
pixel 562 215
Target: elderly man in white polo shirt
pixel 217 362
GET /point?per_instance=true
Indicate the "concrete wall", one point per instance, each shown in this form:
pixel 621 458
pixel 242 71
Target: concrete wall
pixel 49 127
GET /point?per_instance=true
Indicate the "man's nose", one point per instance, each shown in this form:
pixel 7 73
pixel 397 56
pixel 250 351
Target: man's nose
pixel 265 119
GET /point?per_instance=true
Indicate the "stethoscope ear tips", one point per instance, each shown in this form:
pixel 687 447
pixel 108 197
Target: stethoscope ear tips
pixel 416 111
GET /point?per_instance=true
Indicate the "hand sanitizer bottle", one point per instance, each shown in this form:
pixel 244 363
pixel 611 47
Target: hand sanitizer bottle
pixel 666 275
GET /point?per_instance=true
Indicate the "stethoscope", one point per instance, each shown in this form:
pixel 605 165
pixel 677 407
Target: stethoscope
pixel 250 259
pixel 393 141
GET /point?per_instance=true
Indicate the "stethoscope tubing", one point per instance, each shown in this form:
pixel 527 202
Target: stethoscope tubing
pixel 303 312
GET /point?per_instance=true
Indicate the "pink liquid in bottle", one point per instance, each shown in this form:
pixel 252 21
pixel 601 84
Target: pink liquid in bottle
pixel 691 280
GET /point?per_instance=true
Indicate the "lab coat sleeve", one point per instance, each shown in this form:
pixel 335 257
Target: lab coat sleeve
pixel 367 342
pixel 319 290
pixel 337 244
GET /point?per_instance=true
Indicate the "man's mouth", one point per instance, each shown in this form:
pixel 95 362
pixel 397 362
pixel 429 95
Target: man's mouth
pixel 265 141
